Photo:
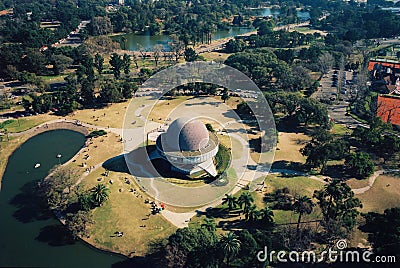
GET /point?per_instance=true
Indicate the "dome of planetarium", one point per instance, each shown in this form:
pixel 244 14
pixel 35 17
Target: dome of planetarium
pixel 186 134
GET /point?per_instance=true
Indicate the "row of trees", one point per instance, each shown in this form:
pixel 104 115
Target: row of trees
pixel 246 202
pixel 193 247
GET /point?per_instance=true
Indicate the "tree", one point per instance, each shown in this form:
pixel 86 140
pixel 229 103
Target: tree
pixel 209 224
pixel 252 214
pixel 127 89
pixel 100 194
pixel 267 216
pixel 323 147
pixel 339 209
pixel 230 200
pixel 99 63
pixel 135 60
pixel 235 45
pixel 190 54
pixel 57 189
pixel 225 95
pixel 325 62
pixel 156 53
pixel 77 223
pixel 192 247
pixel 210 127
pixel 60 63
pixel 85 201
pixel 117 64
pixel 359 164
pixel 312 111
pixel 230 246
pixel 87 92
pixel 384 231
pixel 246 200
pixel 101 26
pixel 177 47
pixel 302 205
pixel 126 61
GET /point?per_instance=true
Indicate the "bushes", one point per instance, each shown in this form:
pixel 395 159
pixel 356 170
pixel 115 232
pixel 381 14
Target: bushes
pixel 96 133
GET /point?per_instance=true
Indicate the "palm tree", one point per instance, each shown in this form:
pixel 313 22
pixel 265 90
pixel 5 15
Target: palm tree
pixel 245 199
pixel 252 214
pixel 230 245
pixel 100 194
pixel 230 200
pixel 267 215
pixel 302 205
pixel 209 224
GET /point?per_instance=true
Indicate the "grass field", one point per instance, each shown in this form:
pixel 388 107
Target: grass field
pixel 297 185
pixel 355 183
pixel 110 116
pixel 289 145
pixel 125 212
pixel 384 194
pixel 163 108
pixel 215 56
pixel 25 123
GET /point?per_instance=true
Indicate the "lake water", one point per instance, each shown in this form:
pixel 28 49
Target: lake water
pixel 30 235
pixel 135 41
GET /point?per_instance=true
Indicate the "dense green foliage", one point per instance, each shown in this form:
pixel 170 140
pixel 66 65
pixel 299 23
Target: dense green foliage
pixel 384 231
pixel 323 147
pixel 202 247
pixel 339 209
pixel 359 165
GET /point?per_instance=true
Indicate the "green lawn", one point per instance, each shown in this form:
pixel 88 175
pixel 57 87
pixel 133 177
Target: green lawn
pixel 126 212
pixel 339 129
pixel 297 185
pixel 22 124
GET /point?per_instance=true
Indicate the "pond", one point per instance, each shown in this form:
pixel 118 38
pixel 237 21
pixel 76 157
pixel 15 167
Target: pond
pixel 147 41
pixel 135 41
pixel 30 235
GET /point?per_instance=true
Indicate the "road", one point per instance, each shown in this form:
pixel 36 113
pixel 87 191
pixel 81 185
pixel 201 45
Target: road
pixel 335 88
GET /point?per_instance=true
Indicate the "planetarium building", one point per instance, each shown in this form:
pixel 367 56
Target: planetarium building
pixel 188 146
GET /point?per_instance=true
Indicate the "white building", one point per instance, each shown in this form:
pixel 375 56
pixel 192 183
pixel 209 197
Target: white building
pixel 188 146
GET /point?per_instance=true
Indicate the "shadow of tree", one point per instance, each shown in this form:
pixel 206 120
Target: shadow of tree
pixel 337 172
pixel 290 165
pixel 30 206
pixel 55 235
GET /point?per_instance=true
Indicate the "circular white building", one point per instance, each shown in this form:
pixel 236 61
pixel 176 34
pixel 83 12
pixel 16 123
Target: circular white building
pixel 188 146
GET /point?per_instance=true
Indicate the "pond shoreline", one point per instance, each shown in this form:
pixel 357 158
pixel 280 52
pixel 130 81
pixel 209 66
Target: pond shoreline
pixel 44 127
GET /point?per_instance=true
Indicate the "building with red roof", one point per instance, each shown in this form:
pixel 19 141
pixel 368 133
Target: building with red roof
pixel 389 109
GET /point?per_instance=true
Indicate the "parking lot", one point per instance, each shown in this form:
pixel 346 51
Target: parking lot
pixel 336 91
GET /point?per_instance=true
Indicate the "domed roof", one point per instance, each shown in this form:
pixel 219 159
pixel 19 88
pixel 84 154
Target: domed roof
pixel 186 134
